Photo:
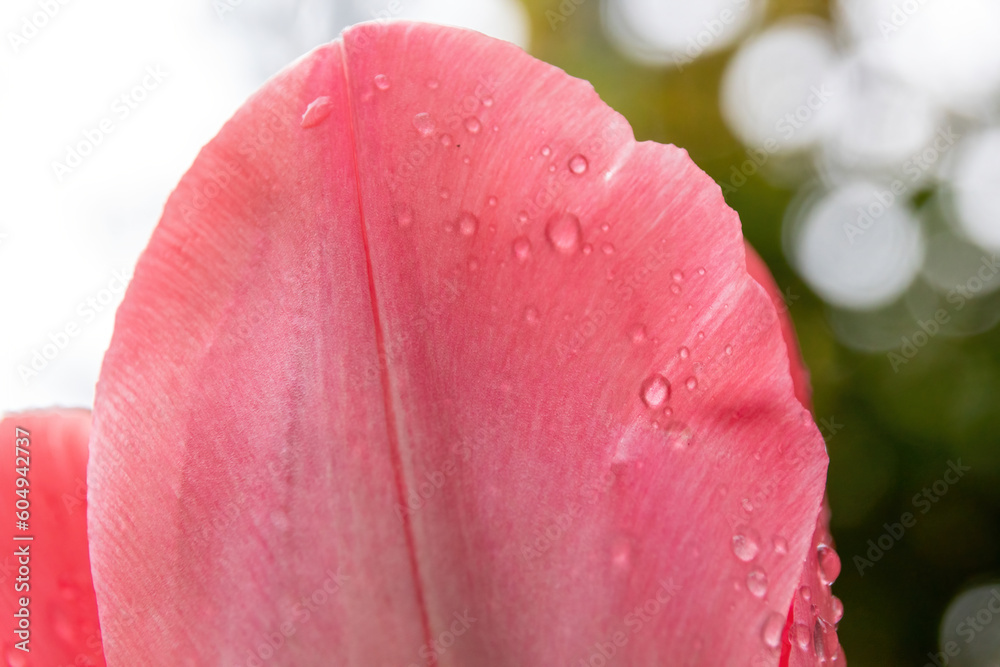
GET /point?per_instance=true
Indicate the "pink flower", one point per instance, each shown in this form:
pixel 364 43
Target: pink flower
pixel 429 362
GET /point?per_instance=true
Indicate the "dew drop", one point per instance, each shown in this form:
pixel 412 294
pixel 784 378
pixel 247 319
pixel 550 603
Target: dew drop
pixel 466 160
pixel 522 248
pixel 818 643
pixel 655 391
pixel 729 350
pixel 829 564
pixel 552 167
pixel 838 609
pixel 691 383
pixel 317 111
pixel 467 224
pixel 700 336
pixel 675 289
pixel 546 151
pixel 473 264
pixel 446 140
pixel 404 219
pixel 473 125
pixel 677 276
pixel 757 583
pixel 637 333
pixel 747 505
pixel 607 249
pixel 621 553
pixel 578 164
pixel 492 201
pixel 487 102
pixel 780 546
pixel 424 124
pixel 587 248
pixel 433 84
pixel 531 315
pixel 16 658
pixel 684 353
pixel 701 271
pixel 522 216
pixel 800 634
pixel 445 194
pixel 563 232
pixel 773 627
pixel 745 545
pixel 381 82
pixel 805 593
pixel 605 227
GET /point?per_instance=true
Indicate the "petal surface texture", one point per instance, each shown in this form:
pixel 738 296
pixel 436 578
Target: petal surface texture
pixel 49 449
pixel 430 363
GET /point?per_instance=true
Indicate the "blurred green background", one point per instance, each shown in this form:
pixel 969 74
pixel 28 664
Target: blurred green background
pixel 889 434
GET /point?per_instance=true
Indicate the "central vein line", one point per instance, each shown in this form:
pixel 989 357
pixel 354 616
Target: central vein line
pixel 383 363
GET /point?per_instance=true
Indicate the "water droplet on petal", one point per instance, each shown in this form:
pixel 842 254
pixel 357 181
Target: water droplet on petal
pixel 621 552
pixel 317 111
pixel 675 289
pixel 729 349
pixel 381 82
pixel 605 227
pixel 492 201
pixel 473 125
pixel 701 271
pixel 747 505
pixel 655 391
pixel 578 164
pixel 487 102
pixel 522 248
pixel 467 224
pixel 757 583
pixel 780 546
pixel 531 315
pixel 801 635
pixel 587 248
pixel 473 264
pixel 691 383
pixel 433 84
pixel 607 249
pixel 773 627
pixel 805 593
pixel 445 140
pixel 404 219
pixel 546 151
pixel 563 232
pixel 552 167
pixel 424 124
pixel 838 609
pixel 684 353
pixel 637 333
pixel 745 545
pixel 445 194
pixel 522 216
pixel 677 276
pixel 829 564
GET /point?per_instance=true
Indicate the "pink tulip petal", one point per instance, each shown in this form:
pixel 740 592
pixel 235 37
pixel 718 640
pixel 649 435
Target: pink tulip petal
pixel 412 317
pixel 62 609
